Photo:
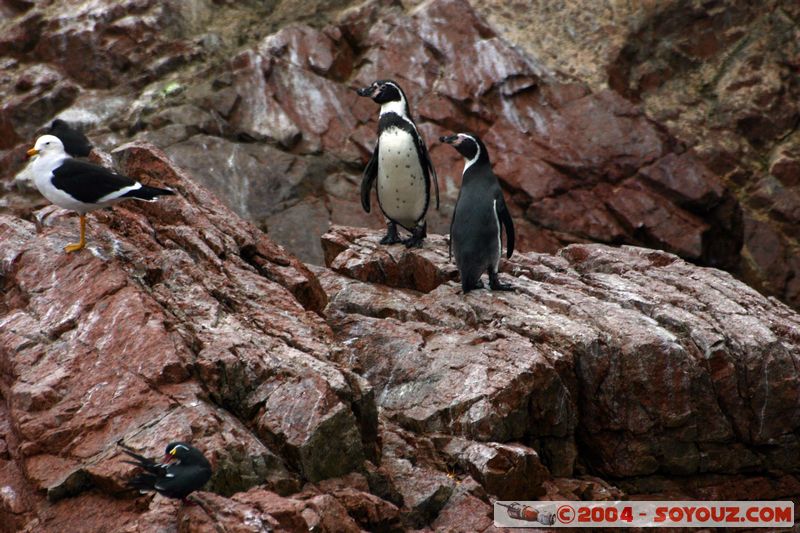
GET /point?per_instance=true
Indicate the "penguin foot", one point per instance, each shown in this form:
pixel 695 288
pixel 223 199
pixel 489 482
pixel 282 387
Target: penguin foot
pixel 415 241
pixel 417 236
pixel 478 285
pixel 391 238
pixel 502 287
pixel 495 285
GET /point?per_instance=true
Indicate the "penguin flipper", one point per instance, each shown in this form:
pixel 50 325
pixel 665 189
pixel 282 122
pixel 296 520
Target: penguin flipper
pixel 370 173
pixel 505 218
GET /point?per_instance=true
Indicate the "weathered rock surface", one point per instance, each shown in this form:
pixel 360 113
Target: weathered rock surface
pixel 595 115
pixel 370 395
pixel 625 361
pixel 181 321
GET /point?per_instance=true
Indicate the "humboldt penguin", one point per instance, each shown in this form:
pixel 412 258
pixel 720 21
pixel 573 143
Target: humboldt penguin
pixel 184 470
pixel 81 186
pixel 400 166
pixel 475 230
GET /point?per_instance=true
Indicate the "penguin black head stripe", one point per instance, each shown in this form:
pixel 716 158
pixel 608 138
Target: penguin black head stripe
pixel 400 168
pixel 479 217
pixel 385 91
pixel 470 146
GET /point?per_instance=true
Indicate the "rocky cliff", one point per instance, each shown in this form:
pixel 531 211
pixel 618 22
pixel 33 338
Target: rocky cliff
pixel 370 394
pixel 355 387
pixel 671 125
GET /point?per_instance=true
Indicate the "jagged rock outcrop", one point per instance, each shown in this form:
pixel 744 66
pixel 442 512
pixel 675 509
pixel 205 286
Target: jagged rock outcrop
pixel 181 321
pixel 370 394
pixel 596 116
pixel 626 361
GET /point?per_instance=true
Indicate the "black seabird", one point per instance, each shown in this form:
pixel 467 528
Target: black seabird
pixel 475 231
pixel 81 186
pixel 401 166
pixel 183 471
pixel 75 142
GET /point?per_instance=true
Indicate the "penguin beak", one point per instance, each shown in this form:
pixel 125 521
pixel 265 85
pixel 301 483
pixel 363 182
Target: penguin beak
pixel 449 140
pixel 364 91
pixel 32 152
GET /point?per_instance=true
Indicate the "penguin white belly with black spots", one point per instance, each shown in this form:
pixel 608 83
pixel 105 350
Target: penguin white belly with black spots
pixel 400 167
pixel 401 187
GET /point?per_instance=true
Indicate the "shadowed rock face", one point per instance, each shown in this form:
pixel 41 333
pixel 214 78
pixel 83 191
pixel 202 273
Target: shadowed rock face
pixel 670 125
pixel 342 398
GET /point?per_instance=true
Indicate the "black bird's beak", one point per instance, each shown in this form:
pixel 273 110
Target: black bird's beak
pixel 364 91
pixel 448 140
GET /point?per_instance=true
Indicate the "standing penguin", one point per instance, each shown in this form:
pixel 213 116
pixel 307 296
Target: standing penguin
pixel 401 165
pixel 475 232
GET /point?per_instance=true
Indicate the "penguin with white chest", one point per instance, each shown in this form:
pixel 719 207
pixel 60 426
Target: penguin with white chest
pixel 400 165
pixel 480 214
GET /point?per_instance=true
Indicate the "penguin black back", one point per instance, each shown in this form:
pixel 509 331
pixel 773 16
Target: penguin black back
pixel 75 142
pixel 479 217
pixel 184 470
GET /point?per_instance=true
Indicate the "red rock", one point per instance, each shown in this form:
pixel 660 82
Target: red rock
pixel 325 53
pixel 145 323
pixel 659 224
pixel 465 512
pixel 507 471
pixel 586 488
pixel 394 266
pixel 579 211
pixel 39 92
pixel 785 164
pixel 675 380
pixel 767 250
pixel 319 108
pixel 650 301
pixel 685 179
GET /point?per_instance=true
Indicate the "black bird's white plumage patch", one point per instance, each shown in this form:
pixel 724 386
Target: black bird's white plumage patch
pixel 185 471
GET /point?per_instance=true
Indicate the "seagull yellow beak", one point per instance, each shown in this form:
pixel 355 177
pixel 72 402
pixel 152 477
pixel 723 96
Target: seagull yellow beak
pixel 32 152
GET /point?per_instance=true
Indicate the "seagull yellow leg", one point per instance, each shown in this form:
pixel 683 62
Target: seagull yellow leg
pixel 82 243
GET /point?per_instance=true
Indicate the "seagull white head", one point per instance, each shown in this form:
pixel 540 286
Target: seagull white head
pixel 47 144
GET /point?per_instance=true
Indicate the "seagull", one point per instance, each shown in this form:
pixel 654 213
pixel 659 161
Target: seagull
pixel 175 479
pixel 75 142
pixel 81 186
